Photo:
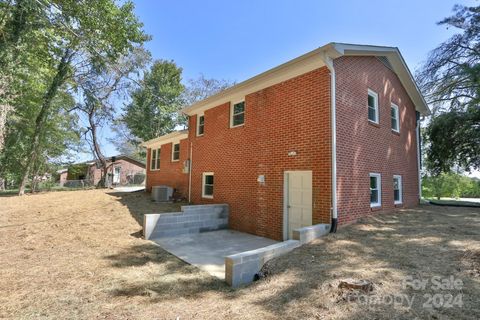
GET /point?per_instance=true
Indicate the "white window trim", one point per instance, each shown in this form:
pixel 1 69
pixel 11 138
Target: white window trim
pixel 379 187
pixel 377 116
pixel 198 124
pixel 397 113
pixel 173 151
pixel 157 152
pixel 203 185
pixel 231 113
pixel 400 190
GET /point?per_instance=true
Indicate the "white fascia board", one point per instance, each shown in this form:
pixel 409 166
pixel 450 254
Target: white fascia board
pixel 168 138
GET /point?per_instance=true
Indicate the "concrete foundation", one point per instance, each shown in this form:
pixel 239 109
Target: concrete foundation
pixel 191 220
pixel 241 268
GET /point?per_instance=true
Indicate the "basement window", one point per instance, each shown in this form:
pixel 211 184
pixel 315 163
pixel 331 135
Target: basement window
pixel 238 114
pixel 155 159
pixel 372 106
pixel 207 185
pixel 200 125
pixel 397 189
pixel 375 190
pixel 176 152
pixel 395 118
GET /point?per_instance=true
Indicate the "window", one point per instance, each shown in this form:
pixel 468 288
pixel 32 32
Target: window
pixel 207 183
pixel 155 159
pixel 200 125
pixel 372 106
pixel 176 152
pixel 375 190
pixel 395 118
pixel 397 189
pixel 238 114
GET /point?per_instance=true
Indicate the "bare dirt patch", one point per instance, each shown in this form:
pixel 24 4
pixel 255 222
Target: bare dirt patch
pixel 78 255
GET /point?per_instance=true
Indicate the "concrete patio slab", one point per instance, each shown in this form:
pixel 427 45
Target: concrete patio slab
pixel 208 250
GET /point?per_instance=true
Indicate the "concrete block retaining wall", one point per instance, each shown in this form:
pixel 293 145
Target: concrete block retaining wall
pixel 192 219
pixel 241 268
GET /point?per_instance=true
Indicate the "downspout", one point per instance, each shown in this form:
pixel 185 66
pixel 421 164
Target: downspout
pixel 190 174
pixel 329 63
pixel 419 155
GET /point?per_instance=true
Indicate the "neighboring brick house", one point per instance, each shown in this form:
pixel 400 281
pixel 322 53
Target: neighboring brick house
pixel 267 146
pixel 121 170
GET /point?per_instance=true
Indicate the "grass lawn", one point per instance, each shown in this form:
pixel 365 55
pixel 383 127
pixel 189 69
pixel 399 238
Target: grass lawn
pixel 79 255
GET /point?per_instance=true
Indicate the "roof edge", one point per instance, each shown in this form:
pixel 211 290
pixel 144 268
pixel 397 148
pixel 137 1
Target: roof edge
pixel 169 137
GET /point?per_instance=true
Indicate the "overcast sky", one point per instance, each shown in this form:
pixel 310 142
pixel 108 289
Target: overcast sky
pixel 236 40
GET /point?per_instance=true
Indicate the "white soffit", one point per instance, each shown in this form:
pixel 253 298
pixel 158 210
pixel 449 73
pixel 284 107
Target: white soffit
pixel 175 136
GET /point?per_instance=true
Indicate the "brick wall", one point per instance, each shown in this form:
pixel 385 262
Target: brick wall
pixel 126 168
pixel 171 172
pixel 290 116
pixel 295 116
pixel 363 147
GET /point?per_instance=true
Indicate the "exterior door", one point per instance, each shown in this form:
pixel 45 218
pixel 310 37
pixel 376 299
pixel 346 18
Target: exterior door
pixel 298 201
pixel 116 175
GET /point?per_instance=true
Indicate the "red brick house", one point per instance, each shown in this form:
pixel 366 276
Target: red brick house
pixel 121 170
pixel 327 137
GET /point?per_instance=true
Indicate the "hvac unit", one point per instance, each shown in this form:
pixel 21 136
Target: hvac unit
pixel 161 193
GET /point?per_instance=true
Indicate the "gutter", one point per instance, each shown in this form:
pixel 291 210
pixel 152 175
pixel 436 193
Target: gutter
pixel 333 119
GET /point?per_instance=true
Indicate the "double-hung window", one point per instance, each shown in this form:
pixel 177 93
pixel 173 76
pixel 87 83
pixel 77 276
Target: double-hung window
pixel 154 159
pixel 375 190
pixel 395 118
pixel 397 189
pixel 207 185
pixel 372 106
pixel 200 125
pixel 176 152
pixel 237 114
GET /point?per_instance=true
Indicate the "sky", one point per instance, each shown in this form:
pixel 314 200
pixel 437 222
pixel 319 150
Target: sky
pixel 236 40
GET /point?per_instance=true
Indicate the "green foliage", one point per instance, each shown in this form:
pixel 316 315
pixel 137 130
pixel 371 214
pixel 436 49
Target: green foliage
pixel 450 185
pixel 454 140
pixel 450 80
pixel 155 104
pixel 46 47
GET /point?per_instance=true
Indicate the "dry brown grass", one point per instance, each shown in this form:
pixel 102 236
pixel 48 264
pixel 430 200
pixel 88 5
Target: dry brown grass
pixel 78 255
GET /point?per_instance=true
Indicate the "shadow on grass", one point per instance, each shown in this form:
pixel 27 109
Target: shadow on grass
pixel 170 277
pixel 421 243
pixel 140 203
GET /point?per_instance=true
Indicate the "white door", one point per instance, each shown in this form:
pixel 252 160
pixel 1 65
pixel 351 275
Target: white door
pixel 298 200
pixel 116 175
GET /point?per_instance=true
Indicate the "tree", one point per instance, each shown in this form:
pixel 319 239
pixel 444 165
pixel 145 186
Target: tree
pixel 80 32
pixel 99 89
pixel 153 110
pixel 125 142
pixel 202 88
pixel 450 80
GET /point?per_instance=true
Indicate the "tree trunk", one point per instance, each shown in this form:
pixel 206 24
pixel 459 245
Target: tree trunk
pixel 57 81
pixel 96 146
